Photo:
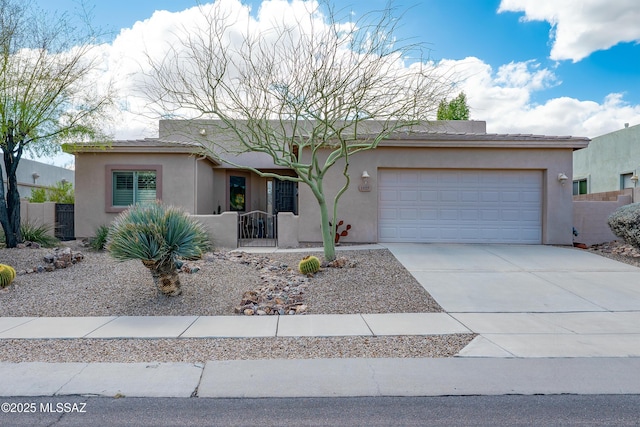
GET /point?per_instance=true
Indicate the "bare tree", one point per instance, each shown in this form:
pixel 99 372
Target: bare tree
pixel 48 94
pixel 308 92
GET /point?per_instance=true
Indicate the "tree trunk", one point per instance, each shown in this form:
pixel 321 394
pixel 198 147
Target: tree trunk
pixel 165 276
pixel 328 233
pixel 10 205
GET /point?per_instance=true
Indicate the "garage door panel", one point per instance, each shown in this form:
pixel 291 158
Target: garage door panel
pixel 388 214
pixel 531 197
pixel 510 215
pixel 408 232
pixel 469 215
pixel 429 214
pixel 490 215
pixel 449 196
pixel 469 196
pixel 460 206
pixel 448 215
pixel 427 234
pixel 530 215
pixel 408 178
pixel 408 195
pixel 489 196
pixel 408 214
pixel 428 196
pixel 510 196
pixel 388 195
pixel 449 177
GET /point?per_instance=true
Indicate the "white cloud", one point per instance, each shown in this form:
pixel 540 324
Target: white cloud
pixel 581 27
pixel 502 97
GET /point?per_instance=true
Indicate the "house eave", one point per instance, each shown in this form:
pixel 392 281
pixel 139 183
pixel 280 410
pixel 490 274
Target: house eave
pixel 138 147
pixel 446 140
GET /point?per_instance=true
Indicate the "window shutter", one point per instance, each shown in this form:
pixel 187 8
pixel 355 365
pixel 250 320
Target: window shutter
pixel 122 188
pixel 131 187
pixel 146 183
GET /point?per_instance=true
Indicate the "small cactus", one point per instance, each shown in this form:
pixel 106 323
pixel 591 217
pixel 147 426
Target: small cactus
pixel 7 274
pixel 309 265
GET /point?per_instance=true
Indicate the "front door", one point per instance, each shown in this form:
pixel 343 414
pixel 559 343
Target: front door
pixel 285 198
pixel 238 191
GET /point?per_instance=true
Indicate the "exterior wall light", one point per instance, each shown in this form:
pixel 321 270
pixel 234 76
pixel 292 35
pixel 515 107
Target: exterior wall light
pixel 634 179
pixel 562 178
pixel 35 176
pixel 364 186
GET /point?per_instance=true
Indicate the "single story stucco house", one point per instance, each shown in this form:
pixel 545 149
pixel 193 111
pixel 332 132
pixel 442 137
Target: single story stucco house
pixel 448 182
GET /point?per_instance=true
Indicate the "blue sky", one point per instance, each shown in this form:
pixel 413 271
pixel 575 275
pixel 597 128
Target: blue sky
pixel 531 66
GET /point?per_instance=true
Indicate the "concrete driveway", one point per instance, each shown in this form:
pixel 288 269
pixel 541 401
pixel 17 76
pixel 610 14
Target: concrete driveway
pixel 532 301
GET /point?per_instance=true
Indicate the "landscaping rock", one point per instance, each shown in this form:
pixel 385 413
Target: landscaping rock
pixel 281 291
pixel 60 258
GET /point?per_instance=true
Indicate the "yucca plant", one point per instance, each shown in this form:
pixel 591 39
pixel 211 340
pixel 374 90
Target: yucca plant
pixel 158 235
pixel 38 233
pixel 99 242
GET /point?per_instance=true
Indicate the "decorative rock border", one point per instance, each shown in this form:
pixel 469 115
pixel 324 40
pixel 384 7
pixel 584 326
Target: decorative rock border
pixel 59 258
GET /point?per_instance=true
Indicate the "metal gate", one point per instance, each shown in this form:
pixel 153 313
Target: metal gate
pixel 286 199
pixel 257 228
pixel 64 229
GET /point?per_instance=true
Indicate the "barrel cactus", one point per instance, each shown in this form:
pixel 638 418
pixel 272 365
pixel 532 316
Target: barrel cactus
pixel 7 274
pixel 309 265
pixel 159 236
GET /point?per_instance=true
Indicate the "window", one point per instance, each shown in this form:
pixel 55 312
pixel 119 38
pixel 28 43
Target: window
pixel 579 187
pixel 626 180
pixel 130 187
pixel 127 184
pixel 237 193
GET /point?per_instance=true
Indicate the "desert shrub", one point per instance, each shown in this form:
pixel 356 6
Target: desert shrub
pixel 38 195
pixel 159 236
pixel 624 222
pixel 38 234
pixel 99 242
pixel 61 192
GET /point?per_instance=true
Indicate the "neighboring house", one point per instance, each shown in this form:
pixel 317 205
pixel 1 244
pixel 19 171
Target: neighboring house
pixel 32 174
pixel 610 163
pixel 451 182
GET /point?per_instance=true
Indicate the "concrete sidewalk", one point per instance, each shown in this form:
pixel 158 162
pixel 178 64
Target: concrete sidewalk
pixel 549 319
pixel 229 326
pixel 325 378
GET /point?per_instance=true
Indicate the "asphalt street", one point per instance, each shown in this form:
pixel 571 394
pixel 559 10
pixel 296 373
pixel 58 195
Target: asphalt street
pixel 513 410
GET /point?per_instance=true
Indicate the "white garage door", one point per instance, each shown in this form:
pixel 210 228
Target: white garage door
pixel 464 206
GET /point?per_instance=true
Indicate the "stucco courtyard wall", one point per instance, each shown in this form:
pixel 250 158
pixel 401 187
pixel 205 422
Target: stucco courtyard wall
pixel 360 209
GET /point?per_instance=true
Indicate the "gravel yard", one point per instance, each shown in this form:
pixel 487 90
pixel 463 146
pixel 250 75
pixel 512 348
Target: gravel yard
pixel 100 286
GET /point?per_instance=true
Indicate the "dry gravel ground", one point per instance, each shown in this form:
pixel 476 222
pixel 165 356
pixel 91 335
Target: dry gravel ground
pixel 202 350
pixel 618 251
pixel 100 286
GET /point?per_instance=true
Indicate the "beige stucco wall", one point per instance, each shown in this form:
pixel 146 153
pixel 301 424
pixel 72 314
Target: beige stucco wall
pixel 204 185
pixel 221 229
pixel 590 219
pixel 360 209
pixel 178 177
pixel 39 214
